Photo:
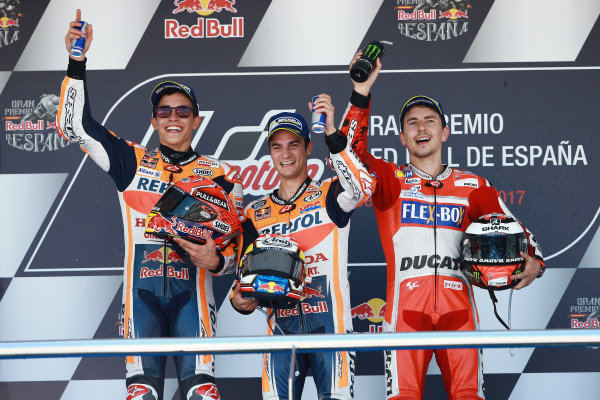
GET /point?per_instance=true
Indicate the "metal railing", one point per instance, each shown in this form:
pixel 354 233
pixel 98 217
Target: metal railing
pixel 301 343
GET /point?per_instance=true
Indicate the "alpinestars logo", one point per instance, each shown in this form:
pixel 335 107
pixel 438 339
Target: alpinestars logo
pixel 433 20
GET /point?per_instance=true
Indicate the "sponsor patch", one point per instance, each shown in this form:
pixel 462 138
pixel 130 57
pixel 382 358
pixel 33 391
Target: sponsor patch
pixel 421 213
pixel 259 204
pixel 454 285
pixel 262 213
pixel 313 197
pixel 152 173
pixel 149 162
pixel 470 182
pixel 203 171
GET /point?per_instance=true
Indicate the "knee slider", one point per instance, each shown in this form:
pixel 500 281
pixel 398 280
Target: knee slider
pixel 140 391
pixel 204 391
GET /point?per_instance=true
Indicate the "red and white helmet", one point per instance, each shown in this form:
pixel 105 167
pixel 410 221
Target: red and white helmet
pixel 490 251
pixel 193 208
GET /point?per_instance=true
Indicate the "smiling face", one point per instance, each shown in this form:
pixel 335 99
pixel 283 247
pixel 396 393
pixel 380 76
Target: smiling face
pixel 290 155
pixel 423 134
pixel 176 132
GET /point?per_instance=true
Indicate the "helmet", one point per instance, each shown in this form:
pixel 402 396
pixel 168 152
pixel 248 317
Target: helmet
pixel 490 251
pixel 193 208
pixel 272 271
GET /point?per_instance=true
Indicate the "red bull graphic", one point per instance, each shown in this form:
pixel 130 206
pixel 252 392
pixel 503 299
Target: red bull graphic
pixel 320 307
pixel 433 21
pixel 271 287
pixel 8 22
pixel 194 6
pixel 310 292
pixel 183 275
pixel 205 27
pixel 453 13
pixel 262 213
pixel 372 310
pixel 363 311
pixel 156 255
pixel 158 224
pixel 30 125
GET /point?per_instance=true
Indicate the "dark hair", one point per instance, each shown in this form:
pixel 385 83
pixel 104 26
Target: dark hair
pixel 172 90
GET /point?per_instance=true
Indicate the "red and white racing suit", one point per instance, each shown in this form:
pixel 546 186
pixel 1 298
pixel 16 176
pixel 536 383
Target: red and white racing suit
pixel 164 295
pixel 318 218
pixel 421 219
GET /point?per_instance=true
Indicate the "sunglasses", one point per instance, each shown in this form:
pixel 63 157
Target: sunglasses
pixel 181 111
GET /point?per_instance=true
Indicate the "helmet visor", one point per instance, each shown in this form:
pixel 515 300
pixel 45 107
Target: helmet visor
pixel 176 202
pixel 494 247
pixel 273 262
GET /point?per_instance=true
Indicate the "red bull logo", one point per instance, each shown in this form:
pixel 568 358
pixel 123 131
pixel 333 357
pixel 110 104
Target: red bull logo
pixel 434 22
pixel 271 287
pixel 310 292
pixel 262 213
pixel 205 27
pixel 183 275
pixel 204 7
pixel 417 15
pixel 320 307
pixel 373 310
pixel 158 256
pixel 158 224
pixel 6 23
pixel 453 13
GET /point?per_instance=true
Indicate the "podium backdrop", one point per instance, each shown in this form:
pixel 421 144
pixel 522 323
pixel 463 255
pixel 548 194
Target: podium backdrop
pixel 518 80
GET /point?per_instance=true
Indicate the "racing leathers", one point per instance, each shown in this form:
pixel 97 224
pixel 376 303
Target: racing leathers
pixel 421 219
pixel 317 217
pixel 164 294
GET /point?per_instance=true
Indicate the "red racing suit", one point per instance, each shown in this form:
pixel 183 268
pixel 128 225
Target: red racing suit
pixel 318 218
pixel 164 295
pixel 421 220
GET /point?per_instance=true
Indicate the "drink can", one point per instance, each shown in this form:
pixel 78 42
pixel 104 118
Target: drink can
pixel 78 44
pixel 318 119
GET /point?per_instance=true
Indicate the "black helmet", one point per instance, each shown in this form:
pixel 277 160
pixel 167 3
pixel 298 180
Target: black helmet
pixel 490 251
pixel 272 271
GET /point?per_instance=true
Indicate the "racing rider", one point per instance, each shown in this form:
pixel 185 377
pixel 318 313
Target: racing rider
pixel 317 215
pixel 422 209
pixel 166 292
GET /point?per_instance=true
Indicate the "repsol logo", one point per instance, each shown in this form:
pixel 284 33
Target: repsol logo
pixel 152 185
pixel 303 222
pixel 418 262
pixel 420 213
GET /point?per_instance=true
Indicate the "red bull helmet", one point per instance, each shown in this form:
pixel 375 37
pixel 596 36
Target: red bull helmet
pixel 193 208
pixel 272 271
pixel 490 251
